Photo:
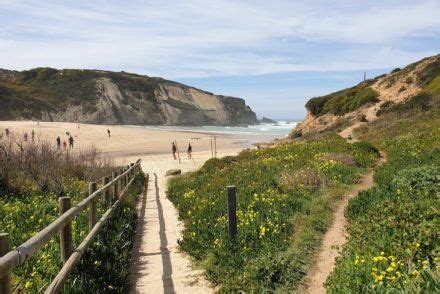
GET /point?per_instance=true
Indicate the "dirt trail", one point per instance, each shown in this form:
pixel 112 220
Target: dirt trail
pixel 335 237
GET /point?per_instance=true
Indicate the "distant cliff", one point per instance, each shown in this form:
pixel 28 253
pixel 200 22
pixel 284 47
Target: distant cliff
pixel 95 96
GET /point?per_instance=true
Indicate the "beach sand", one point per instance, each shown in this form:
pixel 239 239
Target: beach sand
pixel 158 265
pixel 125 140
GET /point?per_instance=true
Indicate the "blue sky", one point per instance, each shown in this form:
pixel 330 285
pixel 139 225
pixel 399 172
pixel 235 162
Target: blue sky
pixel 275 54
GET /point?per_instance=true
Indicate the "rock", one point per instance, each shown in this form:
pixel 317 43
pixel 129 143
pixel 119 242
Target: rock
pixel 173 172
pixel 266 120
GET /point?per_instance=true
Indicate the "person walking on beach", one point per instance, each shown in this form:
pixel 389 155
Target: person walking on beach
pixel 189 151
pixel 64 145
pixel 174 149
pixel 58 142
pixel 70 141
pixel 108 132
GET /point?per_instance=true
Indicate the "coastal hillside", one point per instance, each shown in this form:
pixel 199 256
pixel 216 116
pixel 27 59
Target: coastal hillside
pixel 104 97
pixel 345 110
pixel 323 213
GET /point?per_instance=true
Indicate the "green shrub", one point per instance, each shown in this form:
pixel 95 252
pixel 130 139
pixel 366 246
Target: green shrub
pixel 344 101
pixel 281 214
pixel 434 86
pixel 417 102
pixel 105 266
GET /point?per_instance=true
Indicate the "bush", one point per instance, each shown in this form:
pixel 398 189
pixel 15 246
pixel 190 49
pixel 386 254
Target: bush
pixel 33 176
pixel 284 201
pixel 417 102
pixel 296 133
pixel 39 163
pixel 343 102
pixel 362 118
pixel 105 266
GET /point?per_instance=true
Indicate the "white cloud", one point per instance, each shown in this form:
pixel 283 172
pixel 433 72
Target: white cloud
pixel 210 38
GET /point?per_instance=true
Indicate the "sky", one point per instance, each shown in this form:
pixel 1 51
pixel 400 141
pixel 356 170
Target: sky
pixel 275 54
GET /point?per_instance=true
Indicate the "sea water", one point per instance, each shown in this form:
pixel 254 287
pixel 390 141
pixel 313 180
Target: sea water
pixel 280 129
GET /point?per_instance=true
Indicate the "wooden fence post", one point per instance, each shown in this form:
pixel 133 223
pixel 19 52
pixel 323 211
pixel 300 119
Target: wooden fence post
pixel 115 194
pixel 92 206
pixel 5 247
pixel 66 246
pixel 127 176
pixel 107 192
pixel 232 211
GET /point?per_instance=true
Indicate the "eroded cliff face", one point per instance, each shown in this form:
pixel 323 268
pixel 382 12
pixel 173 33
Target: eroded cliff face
pixel 114 98
pixel 393 88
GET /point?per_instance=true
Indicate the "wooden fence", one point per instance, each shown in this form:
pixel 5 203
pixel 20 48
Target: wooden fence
pixel 112 191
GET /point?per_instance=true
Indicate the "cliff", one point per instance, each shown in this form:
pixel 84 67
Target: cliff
pixel 95 96
pixel 417 85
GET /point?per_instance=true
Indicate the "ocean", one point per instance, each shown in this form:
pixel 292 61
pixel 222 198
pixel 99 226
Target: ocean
pixel 280 129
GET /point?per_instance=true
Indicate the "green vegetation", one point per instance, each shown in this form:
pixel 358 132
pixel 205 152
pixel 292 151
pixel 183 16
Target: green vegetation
pixel 344 101
pixel 48 89
pixel 284 200
pixel 434 86
pixel 32 178
pixel 394 241
pixel 419 102
pixel 105 266
pixel 429 73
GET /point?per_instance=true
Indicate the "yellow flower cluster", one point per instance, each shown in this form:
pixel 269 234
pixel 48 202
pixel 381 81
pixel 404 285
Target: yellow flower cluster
pixel 388 270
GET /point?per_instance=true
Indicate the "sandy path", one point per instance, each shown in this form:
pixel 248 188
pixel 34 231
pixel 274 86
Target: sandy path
pixel 158 266
pixel 335 238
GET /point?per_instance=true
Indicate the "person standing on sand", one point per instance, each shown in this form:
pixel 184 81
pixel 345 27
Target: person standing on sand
pixel 70 141
pixel 108 132
pixel 189 151
pixel 64 145
pixel 174 149
pixel 58 142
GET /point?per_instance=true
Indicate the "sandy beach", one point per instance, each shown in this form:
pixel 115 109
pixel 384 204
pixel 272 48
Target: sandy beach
pixel 158 265
pixel 124 140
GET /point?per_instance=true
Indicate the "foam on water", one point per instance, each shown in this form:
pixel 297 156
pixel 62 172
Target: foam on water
pixel 278 130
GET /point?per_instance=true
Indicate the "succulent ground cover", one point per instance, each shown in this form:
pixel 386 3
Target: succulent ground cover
pixel 285 196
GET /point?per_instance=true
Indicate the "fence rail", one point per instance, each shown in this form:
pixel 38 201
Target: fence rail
pixel 112 191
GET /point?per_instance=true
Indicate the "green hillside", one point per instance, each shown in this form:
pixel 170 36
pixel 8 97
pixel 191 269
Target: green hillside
pixel 394 242
pixel 286 196
pixel 343 101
